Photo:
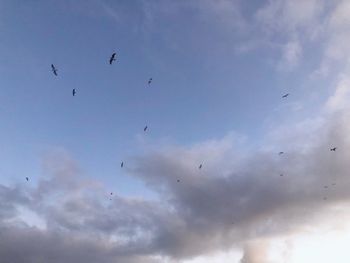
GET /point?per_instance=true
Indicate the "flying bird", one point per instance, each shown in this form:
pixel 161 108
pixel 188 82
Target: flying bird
pixel 281 174
pixel 74 92
pixel 111 193
pixel 178 180
pixel 150 81
pixel 333 149
pixel 200 166
pixel 285 95
pixel 145 129
pixel 325 187
pixel 54 70
pixel 280 153
pixel 27 179
pixel 112 58
pixel 122 164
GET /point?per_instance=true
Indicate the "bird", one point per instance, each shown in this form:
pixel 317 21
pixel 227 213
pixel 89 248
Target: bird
pixel 200 166
pixel 325 187
pixel 281 174
pixel 333 149
pixel 54 70
pixel 280 153
pixel 111 193
pixel 122 164
pixel 178 180
pixel 150 81
pixel 112 58
pixel 285 95
pixel 145 129
pixel 74 92
pixel 324 198
pixel 27 179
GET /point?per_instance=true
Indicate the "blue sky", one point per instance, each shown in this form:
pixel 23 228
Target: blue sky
pixel 219 69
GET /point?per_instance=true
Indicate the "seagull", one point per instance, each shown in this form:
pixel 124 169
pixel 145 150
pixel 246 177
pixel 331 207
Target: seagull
pixel 150 81
pixel 122 164
pixel 112 58
pixel 27 179
pixel 333 149
pixel 54 70
pixel 280 153
pixel 73 92
pixel 200 166
pixel 285 95
pixel 145 129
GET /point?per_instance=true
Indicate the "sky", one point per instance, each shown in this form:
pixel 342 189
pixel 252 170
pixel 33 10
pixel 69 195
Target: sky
pixel 219 69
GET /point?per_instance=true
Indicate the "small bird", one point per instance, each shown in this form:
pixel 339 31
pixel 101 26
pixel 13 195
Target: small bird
pixel 200 166
pixel 54 70
pixel 333 149
pixel 285 95
pixel 150 81
pixel 145 129
pixel 111 193
pixel 324 198
pixel 27 179
pixel 122 164
pixel 280 153
pixel 74 92
pixel 325 187
pixel 334 184
pixel 112 58
pixel 281 174
pixel 178 180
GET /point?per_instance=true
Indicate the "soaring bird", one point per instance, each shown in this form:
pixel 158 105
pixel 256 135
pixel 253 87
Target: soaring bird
pixel 200 166
pixel 145 129
pixel 280 153
pixel 333 149
pixel 74 92
pixel 285 95
pixel 27 179
pixel 122 164
pixel 112 58
pixel 150 81
pixel 54 70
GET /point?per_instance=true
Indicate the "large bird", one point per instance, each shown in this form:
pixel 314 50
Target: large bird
pixel 145 129
pixel 74 92
pixel 333 149
pixel 112 58
pixel 54 70
pixel 285 95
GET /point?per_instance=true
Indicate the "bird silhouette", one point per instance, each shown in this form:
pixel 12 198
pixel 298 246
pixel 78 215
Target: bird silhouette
pixel 280 153
pixel 178 180
pixel 281 174
pixel 150 81
pixel 145 129
pixel 27 179
pixel 74 92
pixel 112 58
pixel 200 166
pixel 111 193
pixel 333 149
pixel 122 164
pixel 285 95
pixel 54 70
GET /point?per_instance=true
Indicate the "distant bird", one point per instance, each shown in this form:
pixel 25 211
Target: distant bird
pixel 111 193
pixel 54 70
pixel 333 149
pixel 285 95
pixel 325 187
pixel 122 164
pixel 112 58
pixel 281 174
pixel 150 81
pixel 334 184
pixel 27 179
pixel 74 92
pixel 145 129
pixel 280 153
pixel 200 166
pixel 178 180
pixel 324 198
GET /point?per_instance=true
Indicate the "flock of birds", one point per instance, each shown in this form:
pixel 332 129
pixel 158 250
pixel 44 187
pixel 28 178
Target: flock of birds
pixel 114 58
